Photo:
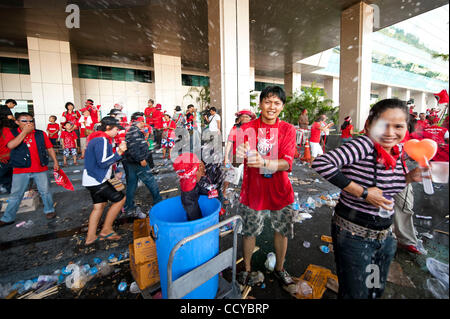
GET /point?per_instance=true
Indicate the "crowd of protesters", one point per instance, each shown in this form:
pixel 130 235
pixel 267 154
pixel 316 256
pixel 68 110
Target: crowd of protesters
pixel 369 169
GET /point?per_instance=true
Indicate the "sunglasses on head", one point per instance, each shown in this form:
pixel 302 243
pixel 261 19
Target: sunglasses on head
pixel 27 121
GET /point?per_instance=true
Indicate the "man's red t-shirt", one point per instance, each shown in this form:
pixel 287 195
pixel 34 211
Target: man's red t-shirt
pixel 257 191
pixel 315 132
pixel 69 139
pixel 148 112
pixel 158 119
pixel 52 128
pixel 72 117
pixel 4 150
pixel 30 141
pixel 435 133
pixel 346 131
pixel 93 110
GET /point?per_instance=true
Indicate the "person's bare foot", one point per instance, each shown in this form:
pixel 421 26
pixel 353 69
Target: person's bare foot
pixel 90 241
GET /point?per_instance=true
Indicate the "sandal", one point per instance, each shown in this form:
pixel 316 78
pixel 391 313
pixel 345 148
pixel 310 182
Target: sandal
pixel 110 236
pixel 92 242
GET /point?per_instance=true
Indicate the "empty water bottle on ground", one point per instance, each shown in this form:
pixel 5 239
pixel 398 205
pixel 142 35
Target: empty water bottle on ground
pixel 296 204
pixel 270 261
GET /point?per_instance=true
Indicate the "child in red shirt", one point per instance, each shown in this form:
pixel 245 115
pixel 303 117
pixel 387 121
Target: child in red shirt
pixel 168 137
pixel 53 130
pixel 69 142
pixel 86 125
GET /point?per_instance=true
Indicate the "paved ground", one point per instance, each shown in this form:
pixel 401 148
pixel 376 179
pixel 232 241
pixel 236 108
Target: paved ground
pixel 50 245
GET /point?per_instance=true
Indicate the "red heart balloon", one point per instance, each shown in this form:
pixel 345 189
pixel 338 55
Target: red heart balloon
pixel 421 151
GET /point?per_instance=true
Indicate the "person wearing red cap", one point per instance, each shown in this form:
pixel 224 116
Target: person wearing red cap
pixel 158 124
pixel 189 170
pixel 234 169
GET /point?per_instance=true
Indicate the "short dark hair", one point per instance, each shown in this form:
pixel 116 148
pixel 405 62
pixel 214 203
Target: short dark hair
pixel 383 105
pixel 151 100
pixel 90 101
pixel 54 116
pixel 67 104
pixel 108 121
pixel 273 90
pixel 189 106
pixel 178 108
pixel 18 115
pixel 213 109
pixel 136 115
pixel 11 100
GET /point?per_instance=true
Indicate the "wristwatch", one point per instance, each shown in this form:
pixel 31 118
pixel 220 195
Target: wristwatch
pixel 365 193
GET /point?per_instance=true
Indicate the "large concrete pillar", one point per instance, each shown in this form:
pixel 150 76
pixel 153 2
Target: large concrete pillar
pixel 355 63
pixel 405 95
pixel 168 87
pixel 385 92
pixel 292 82
pixel 51 78
pixel 331 87
pixel 229 58
pixel 420 102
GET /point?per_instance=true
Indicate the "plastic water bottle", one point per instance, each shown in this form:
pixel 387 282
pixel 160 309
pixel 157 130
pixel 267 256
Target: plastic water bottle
pixel 386 213
pixel 104 269
pixel 296 204
pixel 122 286
pixel 270 261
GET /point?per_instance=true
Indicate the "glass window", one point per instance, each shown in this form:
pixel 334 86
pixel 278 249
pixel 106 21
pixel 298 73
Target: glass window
pixel 118 74
pixel 88 71
pixel 9 65
pixel 129 75
pixel 105 73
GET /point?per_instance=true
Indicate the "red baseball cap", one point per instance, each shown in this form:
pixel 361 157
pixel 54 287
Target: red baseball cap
pixel 158 106
pixel 246 112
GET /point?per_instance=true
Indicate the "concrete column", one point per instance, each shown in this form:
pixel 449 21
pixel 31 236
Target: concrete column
pixel 251 79
pixel 385 92
pixel 229 58
pixel 331 87
pixel 420 102
pixel 292 82
pixel 51 78
pixel 355 63
pixel 404 95
pixel 431 101
pixel 168 88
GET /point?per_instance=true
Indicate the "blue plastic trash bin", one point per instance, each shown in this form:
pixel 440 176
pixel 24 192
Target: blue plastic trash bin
pixel 169 221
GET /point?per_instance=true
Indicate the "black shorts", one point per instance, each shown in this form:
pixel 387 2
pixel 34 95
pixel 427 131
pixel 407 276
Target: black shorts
pixel 105 192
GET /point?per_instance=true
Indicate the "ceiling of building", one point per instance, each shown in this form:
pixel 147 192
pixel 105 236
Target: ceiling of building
pixel 130 31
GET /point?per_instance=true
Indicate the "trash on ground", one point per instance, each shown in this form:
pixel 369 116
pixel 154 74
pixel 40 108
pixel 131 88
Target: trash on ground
pixel 326 238
pixel 420 247
pixel 270 261
pixel 424 217
pixel 437 288
pixel 324 249
pixel 317 277
pixel 303 288
pixel 439 270
pixel 306 244
pixel 396 276
pixel 427 235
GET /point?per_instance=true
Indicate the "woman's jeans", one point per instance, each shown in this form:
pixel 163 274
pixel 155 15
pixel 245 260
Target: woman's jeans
pixel 133 173
pixel 19 186
pixel 362 265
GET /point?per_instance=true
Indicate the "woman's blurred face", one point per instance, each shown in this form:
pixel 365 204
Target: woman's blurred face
pixel 389 129
pixel 70 107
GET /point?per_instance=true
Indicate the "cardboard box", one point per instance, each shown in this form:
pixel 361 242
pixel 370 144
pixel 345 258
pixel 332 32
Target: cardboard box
pixel 317 277
pixel 143 258
pixel 29 203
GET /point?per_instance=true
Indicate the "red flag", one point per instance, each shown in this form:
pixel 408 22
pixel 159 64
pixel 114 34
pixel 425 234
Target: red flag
pixel 62 179
pixel 441 97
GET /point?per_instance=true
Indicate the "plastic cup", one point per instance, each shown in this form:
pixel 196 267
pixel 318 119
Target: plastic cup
pixel 439 172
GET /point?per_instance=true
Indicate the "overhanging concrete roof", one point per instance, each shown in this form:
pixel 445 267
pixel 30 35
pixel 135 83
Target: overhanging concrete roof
pixel 281 32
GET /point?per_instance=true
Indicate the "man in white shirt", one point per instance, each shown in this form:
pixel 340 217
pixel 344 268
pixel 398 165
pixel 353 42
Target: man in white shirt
pixel 214 120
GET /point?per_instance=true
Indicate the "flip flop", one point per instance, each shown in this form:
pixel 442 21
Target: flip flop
pixel 108 237
pixel 93 242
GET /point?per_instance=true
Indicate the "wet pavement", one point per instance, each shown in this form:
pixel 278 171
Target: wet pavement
pixel 47 246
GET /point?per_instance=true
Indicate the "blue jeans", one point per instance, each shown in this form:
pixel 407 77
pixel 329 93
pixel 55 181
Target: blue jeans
pixel 345 140
pixel 19 186
pixel 6 176
pixel 362 265
pixel 134 172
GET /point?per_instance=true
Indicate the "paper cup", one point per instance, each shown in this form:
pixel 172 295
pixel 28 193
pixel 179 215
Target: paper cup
pixel 439 172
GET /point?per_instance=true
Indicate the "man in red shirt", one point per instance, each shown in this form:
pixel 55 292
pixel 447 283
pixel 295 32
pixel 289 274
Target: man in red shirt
pixel 267 146
pixel 30 149
pixel 440 136
pixel 318 126
pixel 148 113
pixel 158 124
pixel 93 110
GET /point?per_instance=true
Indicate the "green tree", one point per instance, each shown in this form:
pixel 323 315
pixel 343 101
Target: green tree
pixel 314 100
